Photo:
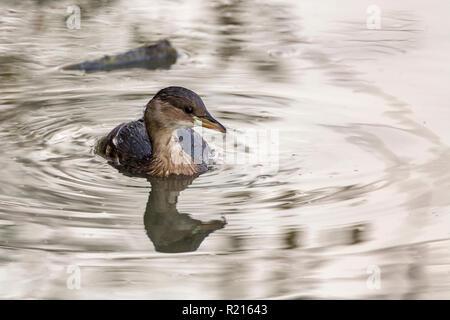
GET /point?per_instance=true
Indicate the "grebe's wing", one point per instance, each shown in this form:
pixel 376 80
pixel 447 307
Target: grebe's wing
pixel 126 144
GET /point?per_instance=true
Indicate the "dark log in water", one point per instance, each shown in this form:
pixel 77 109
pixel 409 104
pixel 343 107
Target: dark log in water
pixel 158 55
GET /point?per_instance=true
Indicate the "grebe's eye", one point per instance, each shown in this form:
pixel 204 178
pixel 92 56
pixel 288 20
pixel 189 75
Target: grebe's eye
pixel 188 109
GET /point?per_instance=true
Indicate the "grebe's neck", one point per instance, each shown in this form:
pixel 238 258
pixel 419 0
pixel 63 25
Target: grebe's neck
pixel 168 157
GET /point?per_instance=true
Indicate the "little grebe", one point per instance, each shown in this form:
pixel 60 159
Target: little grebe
pixel 148 145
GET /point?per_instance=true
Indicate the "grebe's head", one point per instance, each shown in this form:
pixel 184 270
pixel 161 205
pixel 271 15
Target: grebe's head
pixel 178 108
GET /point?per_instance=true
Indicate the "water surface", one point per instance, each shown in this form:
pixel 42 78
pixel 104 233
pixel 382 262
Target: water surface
pixel 363 167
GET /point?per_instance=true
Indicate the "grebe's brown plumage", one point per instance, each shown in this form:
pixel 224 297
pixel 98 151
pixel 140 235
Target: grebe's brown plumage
pixel 148 146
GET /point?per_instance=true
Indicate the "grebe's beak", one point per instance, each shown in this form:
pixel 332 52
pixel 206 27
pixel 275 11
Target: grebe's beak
pixel 210 123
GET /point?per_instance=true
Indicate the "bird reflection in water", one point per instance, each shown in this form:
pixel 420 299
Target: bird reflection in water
pixel 163 147
pixel 169 230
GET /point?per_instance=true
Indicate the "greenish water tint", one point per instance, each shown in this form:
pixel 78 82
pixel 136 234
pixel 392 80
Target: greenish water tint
pixel 362 185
